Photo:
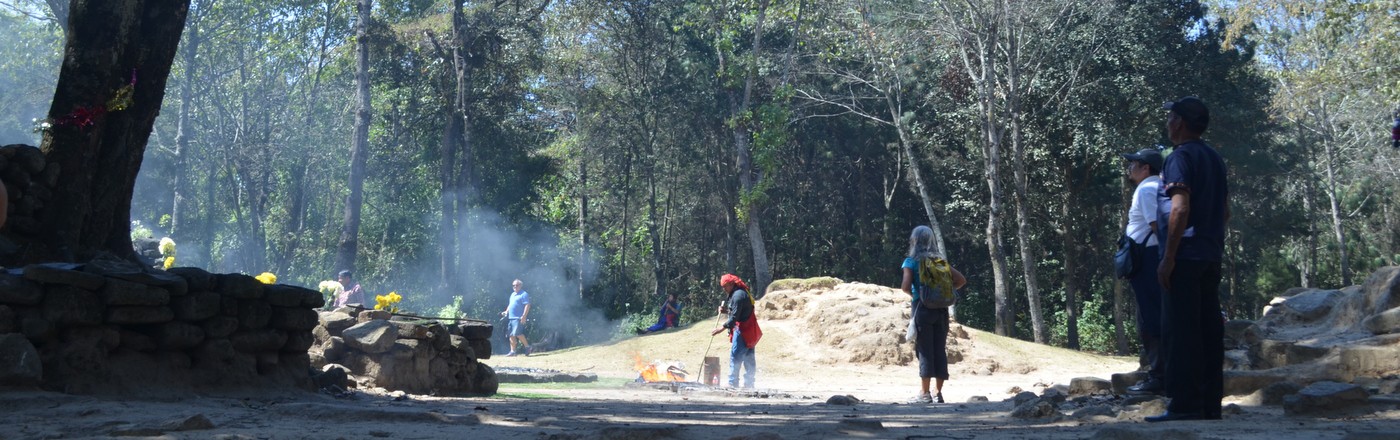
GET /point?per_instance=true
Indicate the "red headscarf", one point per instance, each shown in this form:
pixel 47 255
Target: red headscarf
pixel 730 279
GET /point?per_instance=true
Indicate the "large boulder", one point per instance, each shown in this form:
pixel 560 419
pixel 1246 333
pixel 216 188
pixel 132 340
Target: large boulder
pixel 19 361
pixel 1383 322
pixel 63 273
pixel 18 291
pixel 375 336
pixel 336 322
pixel 1083 386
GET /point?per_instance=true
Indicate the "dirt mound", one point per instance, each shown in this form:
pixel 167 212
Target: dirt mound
pixel 861 323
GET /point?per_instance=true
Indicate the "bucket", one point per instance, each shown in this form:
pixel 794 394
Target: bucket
pixel 709 371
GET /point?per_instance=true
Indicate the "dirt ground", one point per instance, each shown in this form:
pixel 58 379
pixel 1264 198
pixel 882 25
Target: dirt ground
pixel 796 376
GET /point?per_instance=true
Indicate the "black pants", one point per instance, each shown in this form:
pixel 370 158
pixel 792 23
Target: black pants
pixel 931 344
pixel 1194 338
pixel 1148 292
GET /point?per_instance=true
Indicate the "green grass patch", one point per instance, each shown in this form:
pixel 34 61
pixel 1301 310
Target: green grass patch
pixel 529 396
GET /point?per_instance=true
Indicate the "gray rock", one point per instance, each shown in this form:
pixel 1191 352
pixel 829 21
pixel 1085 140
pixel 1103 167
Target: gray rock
pixel 313 299
pixel 127 315
pixel 27 158
pixel 1386 435
pixel 258 341
pixel 239 286
pixel 104 338
pixel 68 305
pixel 1054 396
pixel 1095 411
pixel 1135 400
pixel 135 341
pixel 333 348
pixel 977 399
pixel 1231 410
pixel 1243 383
pixel 1023 397
pixel 19 361
pixel 7 319
pixel 1383 322
pixel 1274 393
pixel 282 295
pixel 293 319
pixel 178 336
pixel 64 274
pixel 220 326
pixel 298 341
pixel 371 315
pixel 1084 386
pixel 846 400
pixel 1313 304
pixel 474 330
pixel 480 347
pixel 196 422
pixel 253 314
pixel 336 322
pixel 1121 381
pixel 1325 398
pixel 197 306
pixel 32 324
pixel 1241 333
pixel 18 291
pixel 410 330
pixel 1359 360
pixel 174 284
pixel 485 380
pixel 332 375
pixel 1119 433
pixel 196 279
pixel 1034 409
pixel 375 336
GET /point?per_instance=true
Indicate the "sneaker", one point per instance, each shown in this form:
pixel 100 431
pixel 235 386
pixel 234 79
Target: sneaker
pixel 1149 386
pixel 938 398
pixel 922 398
pixel 511 354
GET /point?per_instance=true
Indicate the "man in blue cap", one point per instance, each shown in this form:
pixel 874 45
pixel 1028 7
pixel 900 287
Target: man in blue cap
pixel 1191 215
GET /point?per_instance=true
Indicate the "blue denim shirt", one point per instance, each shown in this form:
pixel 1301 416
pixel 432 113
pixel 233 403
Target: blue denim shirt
pixel 1199 170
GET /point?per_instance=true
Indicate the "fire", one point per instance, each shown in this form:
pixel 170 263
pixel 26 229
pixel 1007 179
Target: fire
pixel 658 371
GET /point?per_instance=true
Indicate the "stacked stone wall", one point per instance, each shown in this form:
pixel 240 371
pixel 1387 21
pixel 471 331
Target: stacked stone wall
pixel 405 354
pixel 115 326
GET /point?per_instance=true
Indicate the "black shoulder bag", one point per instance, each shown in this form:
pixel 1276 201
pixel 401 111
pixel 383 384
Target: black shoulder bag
pixel 1128 260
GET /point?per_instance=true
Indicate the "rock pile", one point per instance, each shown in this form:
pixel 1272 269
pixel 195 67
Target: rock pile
pixel 114 326
pixel 418 357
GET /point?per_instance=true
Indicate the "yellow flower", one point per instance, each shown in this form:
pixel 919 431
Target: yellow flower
pixel 267 278
pixel 169 262
pixel 167 247
pixel 387 302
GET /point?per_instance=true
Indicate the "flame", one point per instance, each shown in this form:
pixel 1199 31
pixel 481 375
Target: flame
pixel 658 371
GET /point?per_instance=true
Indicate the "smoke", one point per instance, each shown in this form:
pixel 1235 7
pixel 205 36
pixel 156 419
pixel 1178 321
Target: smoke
pixel 494 252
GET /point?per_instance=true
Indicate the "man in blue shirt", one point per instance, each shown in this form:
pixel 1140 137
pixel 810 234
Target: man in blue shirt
pixel 1192 211
pixel 516 311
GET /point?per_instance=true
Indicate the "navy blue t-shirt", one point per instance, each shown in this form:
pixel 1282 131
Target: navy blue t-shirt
pixel 1198 169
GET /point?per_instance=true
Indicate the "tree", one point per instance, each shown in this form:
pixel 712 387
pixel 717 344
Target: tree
pixel 359 150
pixel 110 88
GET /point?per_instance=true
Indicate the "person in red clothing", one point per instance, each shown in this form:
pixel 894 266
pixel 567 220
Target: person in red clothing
pixel 744 332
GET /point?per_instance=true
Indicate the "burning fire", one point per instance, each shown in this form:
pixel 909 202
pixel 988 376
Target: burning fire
pixel 658 371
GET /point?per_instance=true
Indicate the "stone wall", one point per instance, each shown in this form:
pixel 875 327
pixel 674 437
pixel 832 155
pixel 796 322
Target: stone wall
pixel 111 326
pixel 29 180
pixel 405 354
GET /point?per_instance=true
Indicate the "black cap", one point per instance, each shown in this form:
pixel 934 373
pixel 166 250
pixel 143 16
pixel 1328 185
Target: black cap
pixel 1149 156
pixel 1192 110
pixel 344 274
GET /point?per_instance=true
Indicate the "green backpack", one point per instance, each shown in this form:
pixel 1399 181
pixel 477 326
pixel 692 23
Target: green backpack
pixel 936 283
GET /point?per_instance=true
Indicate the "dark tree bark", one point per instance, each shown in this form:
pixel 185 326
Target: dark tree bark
pixel 359 151
pixel 98 138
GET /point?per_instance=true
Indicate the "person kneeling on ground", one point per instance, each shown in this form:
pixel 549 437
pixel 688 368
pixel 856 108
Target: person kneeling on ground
pixel 670 315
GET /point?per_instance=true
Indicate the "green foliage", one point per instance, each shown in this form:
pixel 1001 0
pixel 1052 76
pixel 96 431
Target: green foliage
pixel 452 310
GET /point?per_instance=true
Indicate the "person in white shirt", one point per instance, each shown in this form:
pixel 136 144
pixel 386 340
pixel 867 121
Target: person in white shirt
pixel 1143 168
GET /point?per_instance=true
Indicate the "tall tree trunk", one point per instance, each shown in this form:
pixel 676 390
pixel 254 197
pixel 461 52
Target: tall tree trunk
pixel 582 224
pixel 1330 164
pixel 1071 265
pixel 1023 232
pixel 359 150
pixel 739 105
pixel 905 145
pixel 60 12
pixel 113 47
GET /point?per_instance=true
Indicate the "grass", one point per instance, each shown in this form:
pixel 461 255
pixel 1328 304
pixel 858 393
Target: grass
pixel 529 396
pixel 602 382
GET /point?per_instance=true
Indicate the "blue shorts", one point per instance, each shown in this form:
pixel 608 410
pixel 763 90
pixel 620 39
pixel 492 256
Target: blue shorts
pixel 514 327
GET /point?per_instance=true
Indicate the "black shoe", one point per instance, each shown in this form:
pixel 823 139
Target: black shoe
pixel 1173 416
pixel 1149 386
